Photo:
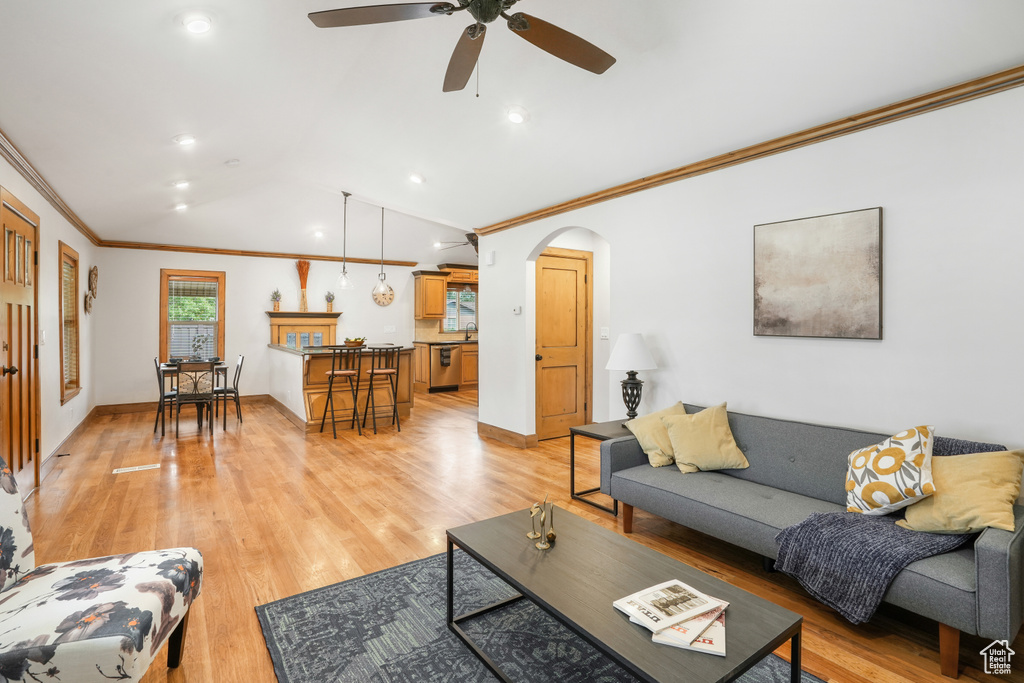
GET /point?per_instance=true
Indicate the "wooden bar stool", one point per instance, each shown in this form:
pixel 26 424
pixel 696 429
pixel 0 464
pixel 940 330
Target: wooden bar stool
pixel 383 365
pixel 345 363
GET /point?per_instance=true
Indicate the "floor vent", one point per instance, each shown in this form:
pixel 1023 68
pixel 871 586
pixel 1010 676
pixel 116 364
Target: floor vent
pixel 138 468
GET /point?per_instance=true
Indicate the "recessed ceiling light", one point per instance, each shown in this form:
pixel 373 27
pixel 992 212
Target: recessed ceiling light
pixel 417 178
pixel 181 184
pixel 185 140
pixel 437 245
pixel 180 207
pixel 517 114
pixel 197 24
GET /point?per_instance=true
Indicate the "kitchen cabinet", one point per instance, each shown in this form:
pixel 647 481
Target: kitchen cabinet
pixel 460 273
pixel 431 290
pixel 470 364
pixel 421 366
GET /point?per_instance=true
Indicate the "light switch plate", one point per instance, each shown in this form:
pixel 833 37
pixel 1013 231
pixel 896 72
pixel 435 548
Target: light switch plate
pixel 604 333
pixel 517 310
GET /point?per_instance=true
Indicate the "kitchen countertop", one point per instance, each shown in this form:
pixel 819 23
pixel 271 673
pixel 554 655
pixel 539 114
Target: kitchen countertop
pixel 446 343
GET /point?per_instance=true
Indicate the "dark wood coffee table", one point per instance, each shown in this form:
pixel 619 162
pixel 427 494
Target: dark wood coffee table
pixel 587 568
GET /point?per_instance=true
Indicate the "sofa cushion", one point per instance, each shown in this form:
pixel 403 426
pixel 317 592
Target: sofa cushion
pixel 795 456
pixel 703 442
pixel 653 436
pixel 971 492
pixel 741 512
pixel 892 474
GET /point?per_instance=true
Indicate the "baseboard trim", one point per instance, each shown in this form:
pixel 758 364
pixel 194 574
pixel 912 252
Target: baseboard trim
pixel 505 436
pixel 50 461
pixel 150 406
pixel 285 410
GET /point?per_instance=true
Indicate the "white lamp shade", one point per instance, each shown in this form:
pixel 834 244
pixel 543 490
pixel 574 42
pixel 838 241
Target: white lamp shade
pixel 630 353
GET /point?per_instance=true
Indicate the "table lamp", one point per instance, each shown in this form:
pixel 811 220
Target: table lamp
pixel 631 354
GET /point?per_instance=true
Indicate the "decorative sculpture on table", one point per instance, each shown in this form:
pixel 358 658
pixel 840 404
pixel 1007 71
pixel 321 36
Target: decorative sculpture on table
pixel 302 266
pixel 546 514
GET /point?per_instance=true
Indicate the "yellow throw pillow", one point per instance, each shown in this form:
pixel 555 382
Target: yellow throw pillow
pixel 892 474
pixel 971 492
pixel 653 436
pixel 703 441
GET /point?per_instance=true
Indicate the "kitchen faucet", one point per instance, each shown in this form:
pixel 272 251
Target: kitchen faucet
pixel 467 329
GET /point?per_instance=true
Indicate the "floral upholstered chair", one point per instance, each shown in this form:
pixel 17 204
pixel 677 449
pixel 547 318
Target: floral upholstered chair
pixel 100 619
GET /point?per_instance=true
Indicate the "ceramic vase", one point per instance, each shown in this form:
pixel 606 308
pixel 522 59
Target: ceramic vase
pixel 277 305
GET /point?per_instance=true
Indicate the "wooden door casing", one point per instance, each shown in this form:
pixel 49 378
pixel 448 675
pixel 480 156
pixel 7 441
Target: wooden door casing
pixel 19 392
pixel 564 322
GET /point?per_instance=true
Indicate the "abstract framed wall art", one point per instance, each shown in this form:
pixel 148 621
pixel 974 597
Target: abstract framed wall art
pixel 820 276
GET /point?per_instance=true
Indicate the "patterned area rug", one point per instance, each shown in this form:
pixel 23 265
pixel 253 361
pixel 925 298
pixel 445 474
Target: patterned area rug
pixel 389 627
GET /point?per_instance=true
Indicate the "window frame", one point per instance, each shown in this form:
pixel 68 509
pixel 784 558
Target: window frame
pixel 460 288
pixel 68 390
pixel 168 274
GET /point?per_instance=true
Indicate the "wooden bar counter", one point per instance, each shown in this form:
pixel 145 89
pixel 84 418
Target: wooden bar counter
pixel 316 362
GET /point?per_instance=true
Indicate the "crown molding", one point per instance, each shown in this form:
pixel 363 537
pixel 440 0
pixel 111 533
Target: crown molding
pixel 922 104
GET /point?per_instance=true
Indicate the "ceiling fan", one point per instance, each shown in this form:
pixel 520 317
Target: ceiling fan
pixel 472 239
pixel 548 37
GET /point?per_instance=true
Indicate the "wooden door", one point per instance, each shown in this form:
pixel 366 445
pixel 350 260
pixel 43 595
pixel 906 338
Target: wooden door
pixel 19 389
pixel 563 352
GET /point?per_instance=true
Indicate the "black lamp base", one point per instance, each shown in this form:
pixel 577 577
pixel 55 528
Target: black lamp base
pixel 631 390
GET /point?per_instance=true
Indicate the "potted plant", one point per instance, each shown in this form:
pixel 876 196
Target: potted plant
pixel 329 298
pixel 275 297
pixel 198 344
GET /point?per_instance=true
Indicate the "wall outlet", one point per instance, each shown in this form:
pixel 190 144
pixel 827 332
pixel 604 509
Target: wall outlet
pixel 604 333
pixel 389 329
pixel 42 337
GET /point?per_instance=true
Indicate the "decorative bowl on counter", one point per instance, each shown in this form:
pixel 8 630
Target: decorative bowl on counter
pixel 358 341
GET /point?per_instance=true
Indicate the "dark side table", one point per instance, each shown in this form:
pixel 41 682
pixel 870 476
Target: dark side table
pixel 601 431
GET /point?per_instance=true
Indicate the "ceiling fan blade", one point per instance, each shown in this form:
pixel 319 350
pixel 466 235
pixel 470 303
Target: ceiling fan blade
pixel 463 60
pixel 378 14
pixel 561 43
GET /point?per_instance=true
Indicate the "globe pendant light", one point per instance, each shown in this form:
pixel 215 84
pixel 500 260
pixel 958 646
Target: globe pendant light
pixel 344 281
pixel 382 292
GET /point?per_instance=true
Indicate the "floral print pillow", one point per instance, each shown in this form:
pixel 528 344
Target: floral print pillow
pixel 892 474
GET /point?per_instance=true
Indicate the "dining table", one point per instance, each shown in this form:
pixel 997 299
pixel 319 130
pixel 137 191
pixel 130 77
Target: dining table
pixel 220 371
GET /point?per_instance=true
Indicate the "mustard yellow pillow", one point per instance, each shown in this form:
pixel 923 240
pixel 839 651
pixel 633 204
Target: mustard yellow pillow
pixel 892 474
pixel 703 441
pixel 971 492
pixel 653 436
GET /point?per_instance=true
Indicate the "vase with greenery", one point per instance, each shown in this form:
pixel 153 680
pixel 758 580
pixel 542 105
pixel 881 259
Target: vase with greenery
pixel 329 298
pixel 275 297
pixel 199 343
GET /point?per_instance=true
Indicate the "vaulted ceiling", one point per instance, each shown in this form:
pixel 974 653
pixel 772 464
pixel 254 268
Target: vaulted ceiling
pixel 92 94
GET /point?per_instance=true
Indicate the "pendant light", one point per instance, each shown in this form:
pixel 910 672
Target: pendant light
pixel 344 281
pixel 382 292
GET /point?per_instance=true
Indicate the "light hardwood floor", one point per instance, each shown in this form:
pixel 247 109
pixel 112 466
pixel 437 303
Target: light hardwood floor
pixel 276 512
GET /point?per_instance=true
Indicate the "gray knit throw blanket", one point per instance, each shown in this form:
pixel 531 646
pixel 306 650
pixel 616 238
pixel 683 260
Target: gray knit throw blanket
pixel 847 560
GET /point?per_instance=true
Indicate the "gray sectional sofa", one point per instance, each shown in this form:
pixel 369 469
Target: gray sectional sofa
pixel 797 469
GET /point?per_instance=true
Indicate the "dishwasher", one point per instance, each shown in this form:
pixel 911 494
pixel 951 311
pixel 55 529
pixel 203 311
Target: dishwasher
pixel 444 377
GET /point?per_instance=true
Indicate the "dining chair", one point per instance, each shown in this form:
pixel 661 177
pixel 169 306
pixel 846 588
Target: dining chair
pixel 231 392
pixel 345 364
pixel 195 385
pixel 166 399
pixel 383 366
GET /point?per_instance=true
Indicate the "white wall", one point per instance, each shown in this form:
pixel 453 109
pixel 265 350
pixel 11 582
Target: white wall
pixel 57 421
pixel 127 310
pixel 680 271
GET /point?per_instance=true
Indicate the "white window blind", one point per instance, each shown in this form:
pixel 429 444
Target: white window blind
pixel 69 320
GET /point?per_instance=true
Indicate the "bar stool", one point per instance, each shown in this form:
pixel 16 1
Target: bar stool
pixel 383 365
pixel 345 363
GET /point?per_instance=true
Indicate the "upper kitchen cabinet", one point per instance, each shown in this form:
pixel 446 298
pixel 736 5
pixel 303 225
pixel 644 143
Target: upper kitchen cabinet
pixel 430 294
pixel 460 272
